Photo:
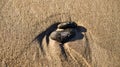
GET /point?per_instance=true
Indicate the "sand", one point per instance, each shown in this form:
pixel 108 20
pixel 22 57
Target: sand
pixel 23 20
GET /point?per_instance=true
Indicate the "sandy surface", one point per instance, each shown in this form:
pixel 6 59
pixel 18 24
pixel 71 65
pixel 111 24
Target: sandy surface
pixel 22 20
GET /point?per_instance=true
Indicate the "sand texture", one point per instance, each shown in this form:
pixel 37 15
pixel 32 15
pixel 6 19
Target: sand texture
pixel 25 26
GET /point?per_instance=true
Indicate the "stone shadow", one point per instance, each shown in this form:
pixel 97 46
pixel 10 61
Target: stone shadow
pixel 46 33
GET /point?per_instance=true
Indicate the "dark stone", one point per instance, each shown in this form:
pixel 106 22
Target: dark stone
pixel 67 25
pixel 63 36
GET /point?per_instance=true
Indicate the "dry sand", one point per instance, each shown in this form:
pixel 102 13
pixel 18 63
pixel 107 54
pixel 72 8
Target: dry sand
pixel 22 20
